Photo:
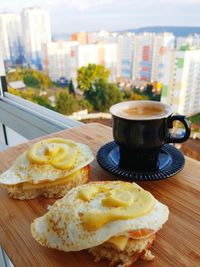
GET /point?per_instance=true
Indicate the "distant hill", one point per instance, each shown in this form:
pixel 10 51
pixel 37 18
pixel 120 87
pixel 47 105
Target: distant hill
pixel 177 31
pixel 60 36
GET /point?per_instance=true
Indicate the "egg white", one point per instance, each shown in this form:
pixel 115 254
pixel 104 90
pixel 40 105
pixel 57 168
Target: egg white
pixel 25 171
pixel 61 226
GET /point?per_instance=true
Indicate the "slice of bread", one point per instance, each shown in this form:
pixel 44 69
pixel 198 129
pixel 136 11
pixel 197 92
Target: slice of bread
pixel 134 250
pixel 57 190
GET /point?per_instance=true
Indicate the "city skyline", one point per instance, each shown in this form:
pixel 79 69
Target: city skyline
pixel 71 16
pixel 128 57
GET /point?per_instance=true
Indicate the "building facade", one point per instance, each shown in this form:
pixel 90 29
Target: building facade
pixel 101 53
pixel 56 59
pixel 81 37
pixel 162 43
pixel 143 54
pixel 110 59
pixel 36 32
pixel 125 51
pixel 181 86
pixel 11 38
pixel 192 40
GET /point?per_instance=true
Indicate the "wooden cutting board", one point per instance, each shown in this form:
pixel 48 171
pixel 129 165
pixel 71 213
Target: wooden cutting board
pixel 177 244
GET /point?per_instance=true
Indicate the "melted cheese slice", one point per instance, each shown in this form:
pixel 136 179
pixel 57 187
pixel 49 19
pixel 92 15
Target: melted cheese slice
pixel 62 226
pixel 90 192
pixel 58 152
pixel 127 202
pixel 65 180
pixel 119 242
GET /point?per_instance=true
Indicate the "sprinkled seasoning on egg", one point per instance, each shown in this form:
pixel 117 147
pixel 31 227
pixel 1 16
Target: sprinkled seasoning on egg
pixel 106 202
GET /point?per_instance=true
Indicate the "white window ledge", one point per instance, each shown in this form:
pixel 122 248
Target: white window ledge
pixel 29 119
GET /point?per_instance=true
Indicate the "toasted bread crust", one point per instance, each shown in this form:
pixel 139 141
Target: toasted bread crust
pixel 55 191
pixel 135 249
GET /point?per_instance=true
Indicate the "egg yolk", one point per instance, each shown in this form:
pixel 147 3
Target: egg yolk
pixel 60 153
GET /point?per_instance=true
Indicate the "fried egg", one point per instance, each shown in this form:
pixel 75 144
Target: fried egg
pixel 91 214
pixel 47 160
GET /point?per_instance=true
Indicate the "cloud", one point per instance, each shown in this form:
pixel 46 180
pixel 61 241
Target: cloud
pixel 88 4
pixel 75 15
pixel 180 2
pixel 80 5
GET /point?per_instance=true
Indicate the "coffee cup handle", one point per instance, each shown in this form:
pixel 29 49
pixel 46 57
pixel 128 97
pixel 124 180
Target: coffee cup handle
pixel 181 118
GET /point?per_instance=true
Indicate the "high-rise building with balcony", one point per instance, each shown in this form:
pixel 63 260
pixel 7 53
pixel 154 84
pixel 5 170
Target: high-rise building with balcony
pixel 37 32
pixel 56 59
pixel 162 43
pixel 143 55
pixel 81 37
pixel 107 53
pixel 108 37
pixel 82 55
pixel 192 40
pixel 101 53
pixel 147 56
pixel 125 50
pixel 93 37
pixel 181 82
pixel 11 38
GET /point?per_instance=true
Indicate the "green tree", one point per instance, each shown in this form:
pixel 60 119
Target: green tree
pixel 71 88
pixel 32 78
pixel 66 103
pixel 45 81
pixel 31 81
pixel 91 74
pixel 43 101
pixel 85 104
pixel 149 90
pixel 16 75
pixel 14 91
pixel 28 94
pixel 103 95
pixel 135 95
pixel 195 119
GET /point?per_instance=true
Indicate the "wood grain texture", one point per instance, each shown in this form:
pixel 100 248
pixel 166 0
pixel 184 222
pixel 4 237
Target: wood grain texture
pixel 177 244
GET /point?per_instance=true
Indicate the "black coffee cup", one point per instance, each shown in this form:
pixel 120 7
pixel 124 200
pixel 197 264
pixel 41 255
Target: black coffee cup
pixel 140 129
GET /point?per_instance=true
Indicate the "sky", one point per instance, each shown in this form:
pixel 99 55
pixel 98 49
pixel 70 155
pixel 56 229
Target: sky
pixel 69 16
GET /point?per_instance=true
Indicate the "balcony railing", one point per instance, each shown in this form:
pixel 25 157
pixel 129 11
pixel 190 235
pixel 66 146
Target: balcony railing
pixel 22 120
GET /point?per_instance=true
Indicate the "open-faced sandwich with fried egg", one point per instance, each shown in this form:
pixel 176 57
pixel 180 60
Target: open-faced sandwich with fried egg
pixel 117 221
pixel 49 168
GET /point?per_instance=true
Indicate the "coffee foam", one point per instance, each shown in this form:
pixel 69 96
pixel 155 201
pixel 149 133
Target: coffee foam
pixel 140 110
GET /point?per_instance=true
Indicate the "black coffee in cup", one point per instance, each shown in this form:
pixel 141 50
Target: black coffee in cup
pixel 141 112
pixel 141 128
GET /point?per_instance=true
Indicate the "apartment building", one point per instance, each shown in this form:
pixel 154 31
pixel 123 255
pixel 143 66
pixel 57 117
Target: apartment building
pixel 143 54
pixel 109 59
pixel 81 37
pixel 56 59
pixel 192 40
pixel 11 38
pixel 101 53
pixel 93 37
pixel 125 54
pixel 181 81
pixel 36 32
pixel 162 43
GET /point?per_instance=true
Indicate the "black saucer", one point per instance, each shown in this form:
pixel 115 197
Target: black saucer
pixel 171 161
